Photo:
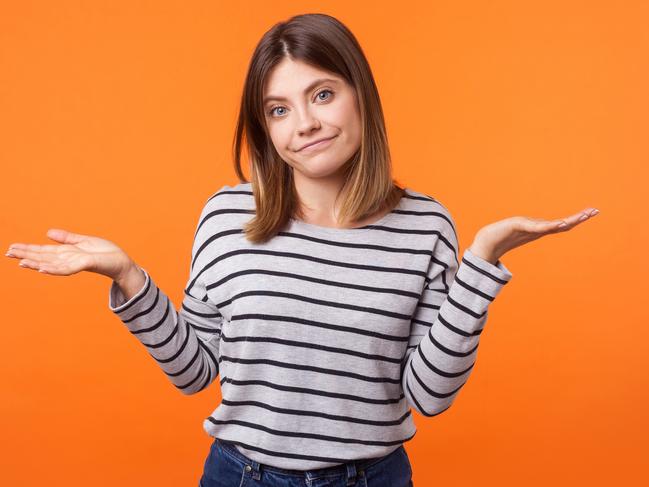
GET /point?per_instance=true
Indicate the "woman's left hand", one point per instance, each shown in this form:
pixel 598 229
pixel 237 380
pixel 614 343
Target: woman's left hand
pixel 494 240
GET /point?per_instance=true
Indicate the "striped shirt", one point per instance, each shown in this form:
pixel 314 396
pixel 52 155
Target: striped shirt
pixel 324 338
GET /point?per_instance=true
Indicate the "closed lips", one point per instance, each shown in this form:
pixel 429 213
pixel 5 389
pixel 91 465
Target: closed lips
pixel 314 142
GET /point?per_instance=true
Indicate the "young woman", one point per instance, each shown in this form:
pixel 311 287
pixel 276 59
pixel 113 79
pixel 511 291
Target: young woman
pixel 330 300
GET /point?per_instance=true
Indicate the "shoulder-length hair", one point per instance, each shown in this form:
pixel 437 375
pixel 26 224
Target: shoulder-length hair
pixel 322 41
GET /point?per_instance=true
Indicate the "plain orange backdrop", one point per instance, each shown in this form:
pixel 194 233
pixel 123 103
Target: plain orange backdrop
pixel 116 120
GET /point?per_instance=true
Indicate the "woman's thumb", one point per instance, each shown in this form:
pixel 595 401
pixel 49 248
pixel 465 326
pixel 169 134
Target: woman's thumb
pixel 64 236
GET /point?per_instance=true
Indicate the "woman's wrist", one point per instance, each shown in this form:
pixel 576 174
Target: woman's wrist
pixel 131 280
pixel 484 253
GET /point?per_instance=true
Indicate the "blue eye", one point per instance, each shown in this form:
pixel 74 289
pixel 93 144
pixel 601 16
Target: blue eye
pixel 272 110
pixel 324 91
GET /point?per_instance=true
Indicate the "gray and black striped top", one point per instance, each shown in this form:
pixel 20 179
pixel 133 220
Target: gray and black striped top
pixel 323 338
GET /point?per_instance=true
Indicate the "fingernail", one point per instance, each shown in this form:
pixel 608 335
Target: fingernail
pixel 22 264
pixel 595 211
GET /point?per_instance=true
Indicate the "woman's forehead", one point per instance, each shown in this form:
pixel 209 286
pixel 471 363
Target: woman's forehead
pixel 296 73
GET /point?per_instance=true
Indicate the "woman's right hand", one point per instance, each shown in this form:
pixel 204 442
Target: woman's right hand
pixel 77 253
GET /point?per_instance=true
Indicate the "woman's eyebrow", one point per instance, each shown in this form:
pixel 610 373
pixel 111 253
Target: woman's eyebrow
pixel 306 90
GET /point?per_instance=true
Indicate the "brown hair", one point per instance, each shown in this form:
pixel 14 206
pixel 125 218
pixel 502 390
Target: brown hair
pixel 324 42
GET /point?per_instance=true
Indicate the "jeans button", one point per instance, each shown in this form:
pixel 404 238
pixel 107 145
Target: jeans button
pixel 248 468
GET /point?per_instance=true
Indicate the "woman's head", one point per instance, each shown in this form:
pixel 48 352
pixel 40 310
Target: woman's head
pixel 290 58
pixel 302 104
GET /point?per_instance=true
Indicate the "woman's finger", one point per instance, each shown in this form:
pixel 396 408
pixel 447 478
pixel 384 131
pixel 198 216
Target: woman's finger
pixel 30 264
pixel 46 266
pixel 57 234
pixel 535 225
pixel 577 218
pixel 64 236
pixel 35 247
pixel 37 266
pixel 30 254
pixel 541 227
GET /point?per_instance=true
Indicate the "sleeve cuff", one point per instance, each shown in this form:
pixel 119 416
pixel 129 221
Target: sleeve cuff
pixel 120 306
pixel 479 282
pixel 499 270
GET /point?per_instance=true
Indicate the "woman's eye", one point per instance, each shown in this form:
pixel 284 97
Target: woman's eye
pixel 324 91
pixel 272 110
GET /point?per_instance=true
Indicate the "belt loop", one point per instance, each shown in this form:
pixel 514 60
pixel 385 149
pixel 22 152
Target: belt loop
pixel 351 473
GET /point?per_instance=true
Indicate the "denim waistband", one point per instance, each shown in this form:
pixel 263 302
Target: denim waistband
pixel 350 468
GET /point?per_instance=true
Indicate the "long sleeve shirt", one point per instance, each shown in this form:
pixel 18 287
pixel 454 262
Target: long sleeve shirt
pixel 325 339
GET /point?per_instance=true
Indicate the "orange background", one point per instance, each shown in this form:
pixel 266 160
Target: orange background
pixel 117 120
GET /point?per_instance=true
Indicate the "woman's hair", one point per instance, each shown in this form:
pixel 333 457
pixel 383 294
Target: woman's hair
pixel 324 42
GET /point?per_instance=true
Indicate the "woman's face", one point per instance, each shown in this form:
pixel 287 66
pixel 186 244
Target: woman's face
pixel 299 110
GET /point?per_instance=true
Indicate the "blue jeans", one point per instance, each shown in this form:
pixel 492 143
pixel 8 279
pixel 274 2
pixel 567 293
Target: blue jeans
pixel 225 466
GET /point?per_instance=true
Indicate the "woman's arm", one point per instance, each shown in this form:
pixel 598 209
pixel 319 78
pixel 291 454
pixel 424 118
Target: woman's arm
pixel 185 342
pixel 446 326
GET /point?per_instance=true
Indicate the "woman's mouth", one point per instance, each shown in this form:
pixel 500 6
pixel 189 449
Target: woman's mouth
pixel 316 146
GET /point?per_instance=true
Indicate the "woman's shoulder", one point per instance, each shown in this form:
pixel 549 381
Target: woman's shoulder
pixel 434 213
pixel 233 195
pixel 225 208
pixel 419 200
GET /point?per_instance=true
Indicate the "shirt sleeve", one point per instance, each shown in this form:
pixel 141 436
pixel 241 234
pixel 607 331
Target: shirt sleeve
pixel 447 323
pixel 184 343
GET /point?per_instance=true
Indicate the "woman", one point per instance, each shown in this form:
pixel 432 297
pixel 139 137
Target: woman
pixel 330 300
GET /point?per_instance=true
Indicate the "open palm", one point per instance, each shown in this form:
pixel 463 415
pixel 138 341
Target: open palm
pixel 75 254
pixel 495 239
